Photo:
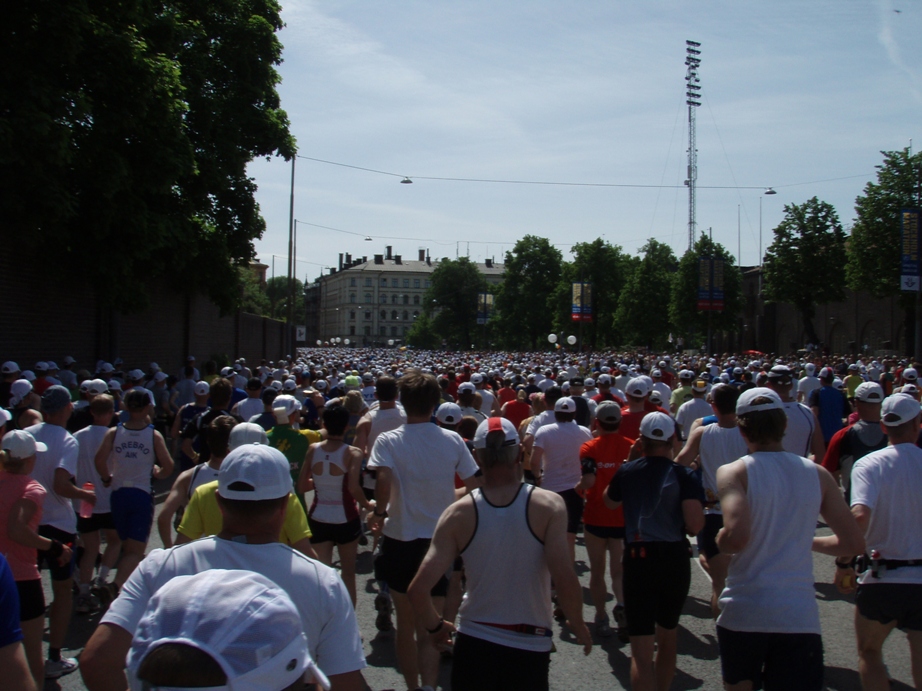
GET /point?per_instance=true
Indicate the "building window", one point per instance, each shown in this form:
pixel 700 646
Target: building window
pixel 382 331
pixel 367 297
pixel 416 314
pixel 383 314
pixel 406 283
pixel 368 281
pixel 416 283
pixel 428 283
pixel 394 299
pixel 351 314
pixel 383 298
pixel 416 299
pixel 406 299
pixel 406 315
pixel 384 283
pixel 351 297
pixel 395 283
pixel 368 331
pixel 394 314
pixel 352 282
pixel 367 315
pixel 352 330
pixel 393 331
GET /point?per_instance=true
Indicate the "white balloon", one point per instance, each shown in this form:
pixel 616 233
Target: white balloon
pixel 552 338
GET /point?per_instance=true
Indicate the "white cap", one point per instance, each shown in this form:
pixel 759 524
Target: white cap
pixel 466 386
pixel 160 376
pixel 565 404
pixel 28 375
pixel 657 426
pixel 41 366
pixel 910 374
pixel 97 386
pixel 21 388
pixel 201 388
pixel 476 378
pixel 259 466
pixel 700 386
pixel 897 409
pixel 114 385
pixel 246 433
pixel 589 382
pixel 9 367
pixel 320 385
pixel 154 367
pixel 289 385
pixel 810 368
pixel 758 399
pixel 448 413
pixel 68 360
pixel 21 444
pixel 637 387
pixel 495 424
pixel 246 623
pixel 869 392
pixel 285 406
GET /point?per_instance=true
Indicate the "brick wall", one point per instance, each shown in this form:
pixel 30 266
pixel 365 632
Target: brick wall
pixel 39 322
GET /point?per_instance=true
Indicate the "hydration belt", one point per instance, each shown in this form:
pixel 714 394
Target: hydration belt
pixel 878 566
pixel 520 628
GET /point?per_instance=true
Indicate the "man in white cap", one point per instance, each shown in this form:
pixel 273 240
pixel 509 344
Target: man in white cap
pixel 556 465
pixel 512 536
pixel 663 502
pixel 808 384
pixel 254 487
pixel 803 435
pixel 691 410
pixel 287 438
pixel 886 486
pixel 769 624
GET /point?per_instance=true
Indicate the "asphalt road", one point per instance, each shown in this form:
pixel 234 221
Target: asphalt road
pixel 608 666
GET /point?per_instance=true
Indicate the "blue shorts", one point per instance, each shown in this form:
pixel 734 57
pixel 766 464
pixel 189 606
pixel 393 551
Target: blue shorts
pixel 132 513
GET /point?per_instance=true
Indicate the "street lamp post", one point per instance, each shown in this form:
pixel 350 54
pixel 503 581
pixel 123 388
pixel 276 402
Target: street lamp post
pixel 760 317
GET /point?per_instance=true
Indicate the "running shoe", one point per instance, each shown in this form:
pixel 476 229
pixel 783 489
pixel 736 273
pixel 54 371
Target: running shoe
pixel 383 606
pixel 58 668
pixel 87 603
pixel 621 623
pixel 603 627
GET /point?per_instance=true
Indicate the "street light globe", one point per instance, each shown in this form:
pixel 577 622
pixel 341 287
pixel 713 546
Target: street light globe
pixel 552 338
pixel 571 340
pixel 346 341
pixel 319 342
pixel 390 341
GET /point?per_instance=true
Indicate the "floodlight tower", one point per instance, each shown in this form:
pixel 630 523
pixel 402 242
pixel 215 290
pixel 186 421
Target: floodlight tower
pixel 692 99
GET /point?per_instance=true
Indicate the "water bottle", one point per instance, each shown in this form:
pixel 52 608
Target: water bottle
pixel 86 508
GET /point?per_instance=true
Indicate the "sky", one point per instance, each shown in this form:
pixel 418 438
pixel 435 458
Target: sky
pixel 798 95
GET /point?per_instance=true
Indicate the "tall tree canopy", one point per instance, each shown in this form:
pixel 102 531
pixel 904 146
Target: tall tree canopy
pixel 643 308
pixel 532 272
pixel 804 263
pixel 683 306
pixel 125 131
pixel 451 300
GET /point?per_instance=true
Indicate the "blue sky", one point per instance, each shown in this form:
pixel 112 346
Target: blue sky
pixel 799 95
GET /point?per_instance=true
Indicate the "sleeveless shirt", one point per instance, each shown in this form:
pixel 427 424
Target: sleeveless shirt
pixel 719 446
pixel 333 503
pixel 508 581
pixel 133 453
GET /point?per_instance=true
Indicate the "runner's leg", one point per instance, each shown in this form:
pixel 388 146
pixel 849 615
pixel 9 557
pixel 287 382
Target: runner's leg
pixel 871 635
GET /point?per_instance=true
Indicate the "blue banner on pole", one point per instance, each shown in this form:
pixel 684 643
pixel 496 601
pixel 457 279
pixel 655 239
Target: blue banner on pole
pixel 910 269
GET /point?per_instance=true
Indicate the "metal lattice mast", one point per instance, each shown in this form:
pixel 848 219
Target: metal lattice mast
pixel 692 96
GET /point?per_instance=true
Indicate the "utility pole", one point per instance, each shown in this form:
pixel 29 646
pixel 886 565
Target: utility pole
pixel 692 99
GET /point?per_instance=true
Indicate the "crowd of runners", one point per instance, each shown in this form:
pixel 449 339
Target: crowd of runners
pixel 470 476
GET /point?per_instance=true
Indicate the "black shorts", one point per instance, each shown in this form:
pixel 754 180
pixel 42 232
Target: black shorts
pixel 605 532
pixel 885 602
pixel 58 573
pixel 707 538
pixel 397 563
pixel 657 576
pixel 574 504
pixel 98 521
pixel 789 661
pixel 337 533
pixel 479 665
pixel 31 599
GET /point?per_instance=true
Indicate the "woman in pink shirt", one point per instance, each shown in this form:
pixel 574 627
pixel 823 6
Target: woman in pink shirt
pixel 21 500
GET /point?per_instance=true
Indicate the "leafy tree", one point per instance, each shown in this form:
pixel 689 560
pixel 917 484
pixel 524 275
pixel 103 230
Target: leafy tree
pixel 451 300
pixel 683 305
pixel 607 269
pixel 803 265
pixel 254 299
pixel 874 246
pixel 532 271
pixel 423 334
pixel 643 306
pixel 277 296
pixel 125 133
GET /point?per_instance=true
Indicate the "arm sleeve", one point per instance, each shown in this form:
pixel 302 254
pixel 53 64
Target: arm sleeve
pixel 381 453
pixel 295 528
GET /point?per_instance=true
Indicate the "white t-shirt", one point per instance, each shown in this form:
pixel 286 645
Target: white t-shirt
pixel 663 389
pixel 561 442
pixel 318 592
pixel 487 406
pixel 807 385
pixel 539 421
pixel 545 384
pixel 690 411
pixel 62 452
pixel 249 407
pixel 798 435
pixel 90 439
pixel 889 483
pixel 423 459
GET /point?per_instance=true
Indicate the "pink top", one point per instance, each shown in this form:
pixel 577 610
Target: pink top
pixel 22 559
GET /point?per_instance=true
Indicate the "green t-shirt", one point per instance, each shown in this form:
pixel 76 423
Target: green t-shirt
pixel 293 443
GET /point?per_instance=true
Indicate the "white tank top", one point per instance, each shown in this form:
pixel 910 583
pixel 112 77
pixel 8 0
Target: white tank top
pixel 133 456
pixel 770 583
pixel 798 436
pixel 202 475
pixel 719 446
pixel 508 581
pixel 332 501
